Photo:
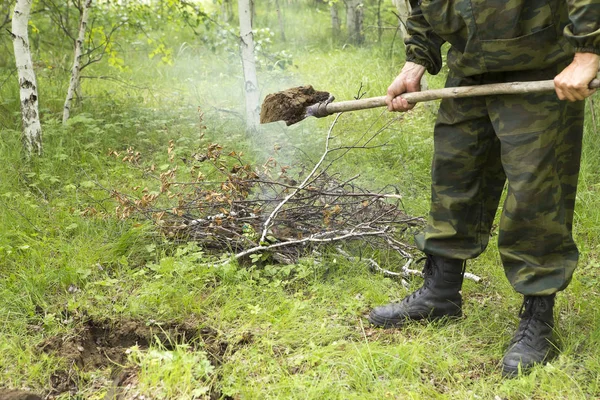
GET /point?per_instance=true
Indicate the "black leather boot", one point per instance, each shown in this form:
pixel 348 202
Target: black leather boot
pixel 532 343
pixel 438 297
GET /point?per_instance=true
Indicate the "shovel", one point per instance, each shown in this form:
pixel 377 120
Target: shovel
pixel 295 104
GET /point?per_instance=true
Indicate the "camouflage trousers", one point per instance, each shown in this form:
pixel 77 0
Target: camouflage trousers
pixel 530 143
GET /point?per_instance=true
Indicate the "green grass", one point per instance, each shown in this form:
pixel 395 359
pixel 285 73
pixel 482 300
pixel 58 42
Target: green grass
pixel 297 332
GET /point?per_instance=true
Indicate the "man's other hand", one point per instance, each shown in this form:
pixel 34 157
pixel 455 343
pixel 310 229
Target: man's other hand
pixel 572 83
pixel 409 80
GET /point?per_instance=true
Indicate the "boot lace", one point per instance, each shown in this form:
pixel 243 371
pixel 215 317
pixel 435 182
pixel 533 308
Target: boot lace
pixel 428 270
pixel 531 309
pixel 525 313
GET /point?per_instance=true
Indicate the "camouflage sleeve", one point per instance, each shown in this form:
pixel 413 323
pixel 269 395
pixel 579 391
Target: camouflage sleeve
pixel 584 30
pixel 423 46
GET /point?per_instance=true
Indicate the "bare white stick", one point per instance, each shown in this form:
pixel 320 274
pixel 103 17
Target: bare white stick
pixel 467 275
pixel 374 266
pixel 311 239
pixel 406 271
pixel 76 70
pixel 32 129
pixel 274 213
pixel 473 277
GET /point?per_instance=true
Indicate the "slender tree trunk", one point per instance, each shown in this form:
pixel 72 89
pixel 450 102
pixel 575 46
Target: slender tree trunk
pixel 354 20
pixel 68 13
pixel 280 18
pixel 404 9
pixel 32 129
pixel 379 23
pixel 249 66
pixel 227 10
pixel 335 20
pixel 75 71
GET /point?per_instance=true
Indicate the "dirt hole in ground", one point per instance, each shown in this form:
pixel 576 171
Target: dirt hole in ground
pixel 17 395
pixel 102 344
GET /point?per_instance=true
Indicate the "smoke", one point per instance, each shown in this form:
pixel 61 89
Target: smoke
pixel 213 82
pixel 208 75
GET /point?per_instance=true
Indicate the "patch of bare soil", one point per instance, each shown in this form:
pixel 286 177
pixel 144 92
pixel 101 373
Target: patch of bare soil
pixel 290 105
pixel 17 395
pixel 101 344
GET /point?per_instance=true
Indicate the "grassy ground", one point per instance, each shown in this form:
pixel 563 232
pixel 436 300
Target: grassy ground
pixel 79 284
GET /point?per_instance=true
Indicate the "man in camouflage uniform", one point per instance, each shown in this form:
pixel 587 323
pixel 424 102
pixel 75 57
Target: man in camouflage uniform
pixel 533 141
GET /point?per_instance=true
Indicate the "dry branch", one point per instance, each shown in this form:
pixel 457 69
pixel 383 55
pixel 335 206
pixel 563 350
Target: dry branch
pixel 273 214
pixel 405 271
pixel 231 206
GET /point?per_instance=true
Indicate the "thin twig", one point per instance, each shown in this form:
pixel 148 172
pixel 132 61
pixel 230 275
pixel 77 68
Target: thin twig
pixel 22 216
pixel 366 194
pixel 374 266
pixel 311 239
pixel 273 214
pixel 111 78
pixel 225 209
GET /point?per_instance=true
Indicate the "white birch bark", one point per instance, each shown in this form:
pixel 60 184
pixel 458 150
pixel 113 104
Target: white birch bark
pixel 75 71
pixel 379 22
pixel 226 10
pixel 404 9
pixel 354 20
pixel 280 19
pixel 335 20
pixel 32 129
pixel 249 66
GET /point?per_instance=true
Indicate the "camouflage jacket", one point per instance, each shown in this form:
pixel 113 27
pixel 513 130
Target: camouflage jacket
pixel 501 35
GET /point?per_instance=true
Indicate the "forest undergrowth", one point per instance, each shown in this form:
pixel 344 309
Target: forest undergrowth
pixel 102 304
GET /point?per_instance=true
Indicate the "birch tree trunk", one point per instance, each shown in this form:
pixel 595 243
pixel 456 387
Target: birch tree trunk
pixel 281 22
pixel 404 9
pixel 354 20
pixel 335 20
pixel 32 129
pixel 249 65
pixel 379 22
pixel 226 10
pixel 75 71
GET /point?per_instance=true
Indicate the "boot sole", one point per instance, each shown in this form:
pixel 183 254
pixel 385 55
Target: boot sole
pixel 396 323
pixel 512 372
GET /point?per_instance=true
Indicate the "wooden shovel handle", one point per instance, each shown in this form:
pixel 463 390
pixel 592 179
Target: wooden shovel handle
pixel 452 92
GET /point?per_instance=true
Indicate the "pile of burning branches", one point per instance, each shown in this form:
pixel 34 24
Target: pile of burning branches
pixel 272 212
pixel 275 211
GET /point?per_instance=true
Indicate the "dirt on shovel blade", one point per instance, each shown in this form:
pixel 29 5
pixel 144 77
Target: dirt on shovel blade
pixel 290 105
